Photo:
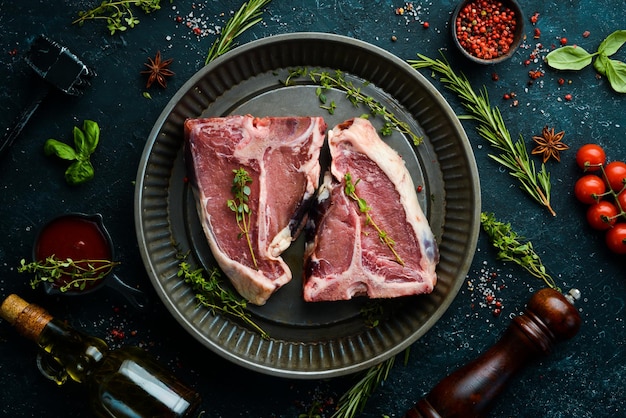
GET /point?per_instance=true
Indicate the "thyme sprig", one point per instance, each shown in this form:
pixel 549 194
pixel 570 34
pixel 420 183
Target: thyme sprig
pixel 241 191
pixel 350 191
pixel 491 127
pixel 66 274
pixel 337 80
pixel 248 15
pixel 514 248
pixel 353 401
pixel 210 293
pixel 118 15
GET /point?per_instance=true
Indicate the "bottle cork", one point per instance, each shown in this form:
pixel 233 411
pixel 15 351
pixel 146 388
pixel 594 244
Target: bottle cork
pixel 28 319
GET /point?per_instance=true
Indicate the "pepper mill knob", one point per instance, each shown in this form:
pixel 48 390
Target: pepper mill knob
pixel 469 392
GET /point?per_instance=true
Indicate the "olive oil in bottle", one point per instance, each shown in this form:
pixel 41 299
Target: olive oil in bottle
pixel 125 382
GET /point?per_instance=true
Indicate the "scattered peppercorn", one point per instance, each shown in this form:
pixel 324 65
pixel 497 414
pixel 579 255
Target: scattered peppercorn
pixel 563 41
pixel 394 38
pixel 537 33
pixel 534 18
pixel 561 81
pixel 486 28
pixel 535 74
pixel 495 76
pixel 425 25
pixel 586 34
pixel 420 188
pixel 568 97
pixel 506 96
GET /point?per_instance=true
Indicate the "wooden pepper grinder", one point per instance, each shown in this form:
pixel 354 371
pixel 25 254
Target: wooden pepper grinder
pixel 550 317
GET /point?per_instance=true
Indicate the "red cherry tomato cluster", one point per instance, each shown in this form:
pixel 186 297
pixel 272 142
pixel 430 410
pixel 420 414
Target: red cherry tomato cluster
pixel 603 188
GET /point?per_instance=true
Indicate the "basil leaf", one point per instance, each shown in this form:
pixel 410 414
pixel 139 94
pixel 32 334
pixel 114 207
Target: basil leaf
pixel 92 135
pixel 79 172
pixel 613 42
pixel 569 58
pixel 79 141
pixel 616 74
pixel 60 149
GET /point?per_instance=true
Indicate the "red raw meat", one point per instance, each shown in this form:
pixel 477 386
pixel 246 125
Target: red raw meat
pixel 344 256
pixel 281 154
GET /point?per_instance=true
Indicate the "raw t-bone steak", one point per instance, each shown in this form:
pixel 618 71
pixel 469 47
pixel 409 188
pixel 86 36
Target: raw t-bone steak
pixel 344 255
pixel 281 155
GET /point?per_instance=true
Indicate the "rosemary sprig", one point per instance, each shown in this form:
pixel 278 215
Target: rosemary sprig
pixel 239 205
pixel 350 191
pixel 353 401
pixel 328 81
pixel 491 127
pixel 511 248
pixel 66 274
pixel 211 294
pixel 248 15
pixel 118 15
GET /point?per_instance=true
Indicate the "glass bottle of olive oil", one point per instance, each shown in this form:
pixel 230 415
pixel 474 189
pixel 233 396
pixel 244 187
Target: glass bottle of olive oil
pixel 125 382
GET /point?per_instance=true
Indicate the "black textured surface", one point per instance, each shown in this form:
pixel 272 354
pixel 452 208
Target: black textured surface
pixel 582 378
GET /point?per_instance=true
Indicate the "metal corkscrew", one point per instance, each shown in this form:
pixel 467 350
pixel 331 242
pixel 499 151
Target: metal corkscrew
pixel 550 317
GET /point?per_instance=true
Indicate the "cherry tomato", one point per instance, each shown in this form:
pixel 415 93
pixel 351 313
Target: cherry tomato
pixel 616 238
pixel 602 215
pixel 590 157
pixel 616 175
pixel 589 189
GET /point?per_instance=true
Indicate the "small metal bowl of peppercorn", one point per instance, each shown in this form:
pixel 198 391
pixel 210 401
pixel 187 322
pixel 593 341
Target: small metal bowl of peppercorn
pixel 487 31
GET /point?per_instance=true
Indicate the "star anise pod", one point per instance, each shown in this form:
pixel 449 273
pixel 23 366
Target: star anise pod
pixel 549 144
pixel 158 70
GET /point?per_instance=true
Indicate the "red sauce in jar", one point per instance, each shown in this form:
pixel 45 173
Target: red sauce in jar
pixel 76 237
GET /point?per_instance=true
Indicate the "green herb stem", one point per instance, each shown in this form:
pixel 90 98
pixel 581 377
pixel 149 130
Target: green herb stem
pixel 119 15
pixel 239 205
pixel 248 15
pixel 353 401
pixel 491 127
pixel 350 190
pixel 68 273
pixel 328 81
pixel 511 247
pixel 211 294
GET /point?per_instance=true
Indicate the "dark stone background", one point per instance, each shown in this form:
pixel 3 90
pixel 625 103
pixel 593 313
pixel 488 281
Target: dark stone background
pixel 582 378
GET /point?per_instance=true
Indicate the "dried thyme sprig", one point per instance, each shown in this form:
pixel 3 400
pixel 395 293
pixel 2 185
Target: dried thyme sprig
pixel 328 81
pixel 248 15
pixel 66 274
pixel 491 127
pixel 511 247
pixel 211 294
pixel 118 15
pixel 353 401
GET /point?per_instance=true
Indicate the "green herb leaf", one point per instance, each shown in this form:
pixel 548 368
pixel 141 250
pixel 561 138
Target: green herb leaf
pixel 79 172
pixel 248 15
pixel 327 80
pixel 85 141
pixel 569 58
pixel 60 149
pixel 612 43
pixel 511 248
pixel 616 74
pixel 212 294
pixel 91 136
pixel 67 273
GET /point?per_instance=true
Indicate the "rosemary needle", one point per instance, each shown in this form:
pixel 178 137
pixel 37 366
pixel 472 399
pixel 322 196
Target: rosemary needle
pixel 248 15
pixel 491 126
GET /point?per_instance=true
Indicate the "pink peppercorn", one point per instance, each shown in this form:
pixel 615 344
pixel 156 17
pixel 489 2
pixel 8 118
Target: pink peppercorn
pixel 485 28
